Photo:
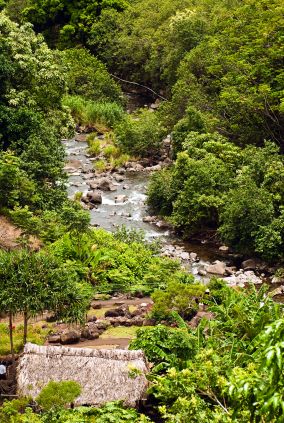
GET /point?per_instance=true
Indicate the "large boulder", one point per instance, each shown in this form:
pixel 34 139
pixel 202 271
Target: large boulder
pixel 94 197
pixel 217 268
pixel 54 339
pixel 70 337
pixel 105 184
pixel 249 264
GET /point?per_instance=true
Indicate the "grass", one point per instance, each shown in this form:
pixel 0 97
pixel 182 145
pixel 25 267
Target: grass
pixel 101 115
pixel 99 313
pixel 100 166
pixel 94 147
pixel 36 334
pixel 120 332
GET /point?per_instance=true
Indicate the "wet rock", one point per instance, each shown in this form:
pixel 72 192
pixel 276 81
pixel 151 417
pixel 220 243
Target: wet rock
pixel 149 219
pixel 249 264
pixel 121 171
pixel 96 306
pixel 184 256
pixel 121 198
pixel 93 185
pixel 134 167
pixel 125 187
pixel 217 268
pixel 243 278
pixel 163 225
pixel 119 178
pixel 105 184
pixel 277 291
pixel 193 256
pixel 202 272
pixel 71 337
pixel 224 248
pixel 277 279
pixel 95 197
pixel 80 137
pixel 54 339
pixel 231 270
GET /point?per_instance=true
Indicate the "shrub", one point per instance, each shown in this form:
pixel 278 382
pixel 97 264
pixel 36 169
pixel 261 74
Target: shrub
pixel 100 165
pixel 111 151
pixel 58 394
pixel 140 134
pixel 162 344
pixel 94 147
pixel 177 296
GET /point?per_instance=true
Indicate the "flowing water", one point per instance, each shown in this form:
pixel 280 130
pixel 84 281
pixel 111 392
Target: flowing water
pixel 110 215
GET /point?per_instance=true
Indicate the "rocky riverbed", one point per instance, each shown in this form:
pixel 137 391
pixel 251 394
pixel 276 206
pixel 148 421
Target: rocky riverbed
pixel 118 197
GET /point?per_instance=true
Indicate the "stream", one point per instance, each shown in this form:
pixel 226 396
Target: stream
pixel 112 214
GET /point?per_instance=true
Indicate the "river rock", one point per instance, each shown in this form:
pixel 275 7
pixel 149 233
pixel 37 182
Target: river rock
pixel 121 198
pixel 184 255
pixel 193 256
pixel 149 219
pixel 119 178
pixel 277 291
pixel 121 171
pixel 70 337
pixel 202 272
pixel 105 184
pixel 277 279
pixel 217 268
pixel 125 187
pixel 224 248
pixel 163 224
pixel 95 197
pixel 242 278
pixel 80 137
pixel 249 264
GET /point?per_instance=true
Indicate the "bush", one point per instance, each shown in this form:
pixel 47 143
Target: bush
pixel 180 297
pixel 94 147
pixel 140 134
pixel 161 344
pixel 58 394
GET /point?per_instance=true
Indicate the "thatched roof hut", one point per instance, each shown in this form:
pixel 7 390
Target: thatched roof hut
pixel 104 375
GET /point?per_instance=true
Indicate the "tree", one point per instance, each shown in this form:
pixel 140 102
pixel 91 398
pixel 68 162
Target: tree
pixel 32 282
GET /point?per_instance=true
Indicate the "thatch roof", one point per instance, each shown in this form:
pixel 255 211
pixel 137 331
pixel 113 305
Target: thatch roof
pixel 104 375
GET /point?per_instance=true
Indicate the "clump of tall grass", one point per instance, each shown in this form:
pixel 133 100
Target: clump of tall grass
pixel 94 147
pixel 97 114
pixel 100 166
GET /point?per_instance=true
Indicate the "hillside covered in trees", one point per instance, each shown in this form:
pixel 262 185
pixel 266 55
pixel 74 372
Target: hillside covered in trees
pixel 215 74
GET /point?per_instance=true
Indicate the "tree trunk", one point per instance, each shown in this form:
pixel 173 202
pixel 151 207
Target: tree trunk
pixel 11 336
pixel 25 327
